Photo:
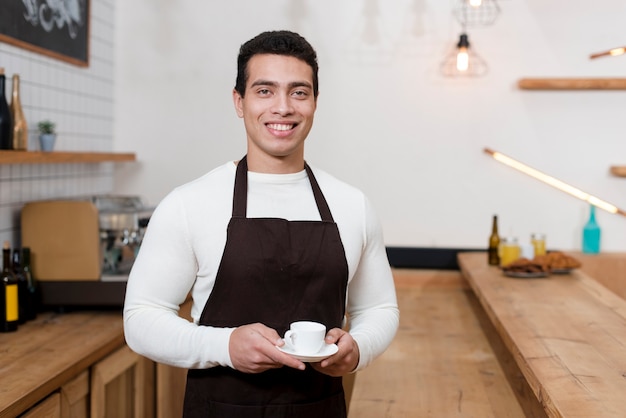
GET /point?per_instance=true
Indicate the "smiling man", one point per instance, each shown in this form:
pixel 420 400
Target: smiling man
pixel 260 243
pixel 277 109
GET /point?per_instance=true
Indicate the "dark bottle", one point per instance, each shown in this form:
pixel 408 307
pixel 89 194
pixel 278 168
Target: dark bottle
pixel 6 122
pixel 33 286
pixel 10 305
pixel 494 243
pixel 24 299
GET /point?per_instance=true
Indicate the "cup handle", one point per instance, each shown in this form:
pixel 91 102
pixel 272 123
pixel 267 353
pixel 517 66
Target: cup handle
pixel 289 335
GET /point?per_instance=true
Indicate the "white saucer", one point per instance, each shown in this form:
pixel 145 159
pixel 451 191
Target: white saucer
pixel 326 351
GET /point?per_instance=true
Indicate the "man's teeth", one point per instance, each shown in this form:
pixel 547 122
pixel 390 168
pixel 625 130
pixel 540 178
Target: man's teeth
pixel 279 126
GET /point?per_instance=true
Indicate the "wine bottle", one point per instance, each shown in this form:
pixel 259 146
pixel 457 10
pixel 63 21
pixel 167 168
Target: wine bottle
pixel 22 286
pixel 33 286
pixel 10 304
pixel 494 243
pixel 6 122
pixel 591 233
pixel 20 127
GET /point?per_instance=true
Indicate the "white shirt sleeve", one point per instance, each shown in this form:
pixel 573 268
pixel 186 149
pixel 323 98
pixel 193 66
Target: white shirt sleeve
pixel 161 279
pixel 372 306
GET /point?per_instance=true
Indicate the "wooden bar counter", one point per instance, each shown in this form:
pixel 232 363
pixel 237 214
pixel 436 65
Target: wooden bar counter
pixel 567 334
pixel 443 361
pixel 44 354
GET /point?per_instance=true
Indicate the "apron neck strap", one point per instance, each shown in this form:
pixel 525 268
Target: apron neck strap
pixel 320 200
pixel 240 195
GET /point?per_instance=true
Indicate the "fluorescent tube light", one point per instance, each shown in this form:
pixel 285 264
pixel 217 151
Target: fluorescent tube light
pixel 554 182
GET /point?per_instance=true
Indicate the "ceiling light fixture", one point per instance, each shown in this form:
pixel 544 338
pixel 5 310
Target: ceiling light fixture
pixel 472 13
pixel 556 183
pixel 463 61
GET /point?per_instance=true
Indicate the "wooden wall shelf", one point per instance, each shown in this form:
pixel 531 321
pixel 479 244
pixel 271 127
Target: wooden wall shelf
pixel 572 83
pixel 37 157
pixel 618 170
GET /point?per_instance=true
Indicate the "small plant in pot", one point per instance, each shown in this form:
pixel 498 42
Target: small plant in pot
pixel 47 135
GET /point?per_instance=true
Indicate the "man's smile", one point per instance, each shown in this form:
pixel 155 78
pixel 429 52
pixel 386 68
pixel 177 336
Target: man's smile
pixel 281 126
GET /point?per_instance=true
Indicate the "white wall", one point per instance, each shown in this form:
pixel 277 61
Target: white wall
pixel 387 121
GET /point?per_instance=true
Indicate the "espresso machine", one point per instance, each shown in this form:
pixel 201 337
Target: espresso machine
pixel 83 249
pixel 122 223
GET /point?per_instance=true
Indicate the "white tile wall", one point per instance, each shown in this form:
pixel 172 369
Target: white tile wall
pixel 80 101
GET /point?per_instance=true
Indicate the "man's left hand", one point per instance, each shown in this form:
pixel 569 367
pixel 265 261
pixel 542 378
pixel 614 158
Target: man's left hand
pixel 345 359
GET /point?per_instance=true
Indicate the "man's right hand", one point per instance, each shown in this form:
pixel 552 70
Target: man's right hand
pixel 253 349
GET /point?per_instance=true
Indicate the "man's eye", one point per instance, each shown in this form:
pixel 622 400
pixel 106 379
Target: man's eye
pixel 300 93
pixel 264 92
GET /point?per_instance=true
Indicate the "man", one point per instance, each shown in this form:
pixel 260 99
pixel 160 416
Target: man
pixel 261 243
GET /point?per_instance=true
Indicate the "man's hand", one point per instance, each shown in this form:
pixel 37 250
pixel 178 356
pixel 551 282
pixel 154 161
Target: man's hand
pixel 253 350
pixel 345 359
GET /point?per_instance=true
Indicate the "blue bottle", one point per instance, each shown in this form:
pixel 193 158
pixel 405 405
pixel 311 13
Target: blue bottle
pixel 591 234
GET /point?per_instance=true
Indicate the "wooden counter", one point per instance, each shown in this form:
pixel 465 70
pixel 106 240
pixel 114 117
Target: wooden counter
pixel 567 334
pixel 442 362
pixel 48 352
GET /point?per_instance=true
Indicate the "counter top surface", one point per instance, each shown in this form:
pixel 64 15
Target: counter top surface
pixel 47 352
pixel 567 334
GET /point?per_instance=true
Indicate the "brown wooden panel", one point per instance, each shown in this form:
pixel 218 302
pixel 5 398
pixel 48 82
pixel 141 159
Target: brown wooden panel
pixel 48 408
pixel 572 83
pixel 58 157
pixel 566 333
pixel 50 351
pixel 75 397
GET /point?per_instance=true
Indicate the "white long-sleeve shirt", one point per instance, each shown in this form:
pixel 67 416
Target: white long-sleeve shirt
pixel 182 249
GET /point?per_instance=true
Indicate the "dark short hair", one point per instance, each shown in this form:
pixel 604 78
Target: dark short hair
pixel 279 43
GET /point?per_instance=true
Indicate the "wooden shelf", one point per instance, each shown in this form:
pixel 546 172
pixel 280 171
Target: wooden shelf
pixel 572 83
pixel 37 157
pixel 618 170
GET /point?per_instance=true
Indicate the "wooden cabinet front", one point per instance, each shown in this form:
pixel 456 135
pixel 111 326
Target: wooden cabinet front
pixel 79 362
pixel 122 386
pixel 75 397
pixel 48 408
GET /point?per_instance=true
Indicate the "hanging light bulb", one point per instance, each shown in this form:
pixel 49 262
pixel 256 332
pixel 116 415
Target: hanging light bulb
pixel 462 55
pixel 472 13
pixel 463 61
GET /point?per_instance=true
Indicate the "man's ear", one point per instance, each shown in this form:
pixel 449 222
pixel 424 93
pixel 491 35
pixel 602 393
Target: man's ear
pixel 238 102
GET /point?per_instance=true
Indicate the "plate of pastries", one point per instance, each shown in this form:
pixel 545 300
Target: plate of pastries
pixel 554 262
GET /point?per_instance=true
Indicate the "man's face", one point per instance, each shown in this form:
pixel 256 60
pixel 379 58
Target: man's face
pixel 278 106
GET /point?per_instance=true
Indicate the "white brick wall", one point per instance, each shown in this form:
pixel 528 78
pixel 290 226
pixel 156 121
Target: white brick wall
pixel 80 101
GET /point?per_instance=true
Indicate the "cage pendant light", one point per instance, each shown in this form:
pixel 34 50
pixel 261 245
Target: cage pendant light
pixel 472 13
pixel 463 61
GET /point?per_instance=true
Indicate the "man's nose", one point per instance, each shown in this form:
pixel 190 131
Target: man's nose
pixel 282 105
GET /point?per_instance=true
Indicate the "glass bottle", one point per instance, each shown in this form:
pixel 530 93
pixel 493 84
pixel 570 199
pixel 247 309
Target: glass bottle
pixel 591 233
pixel 9 294
pixel 6 122
pixel 25 305
pixel 33 286
pixel 494 243
pixel 20 127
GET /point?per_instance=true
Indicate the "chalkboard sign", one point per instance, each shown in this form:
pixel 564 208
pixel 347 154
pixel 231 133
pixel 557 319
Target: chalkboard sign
pixel 57 28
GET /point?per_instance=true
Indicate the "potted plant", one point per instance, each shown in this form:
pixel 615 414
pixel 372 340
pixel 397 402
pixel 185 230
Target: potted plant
pixel 47 135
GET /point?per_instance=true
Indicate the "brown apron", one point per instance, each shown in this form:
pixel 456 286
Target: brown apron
pixel 275 272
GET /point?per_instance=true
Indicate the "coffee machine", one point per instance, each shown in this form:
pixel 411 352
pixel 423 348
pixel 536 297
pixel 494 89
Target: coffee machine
pixel 122 223
pixel 82 249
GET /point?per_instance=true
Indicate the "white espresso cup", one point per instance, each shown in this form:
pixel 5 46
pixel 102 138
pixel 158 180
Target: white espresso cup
pixel 305 337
